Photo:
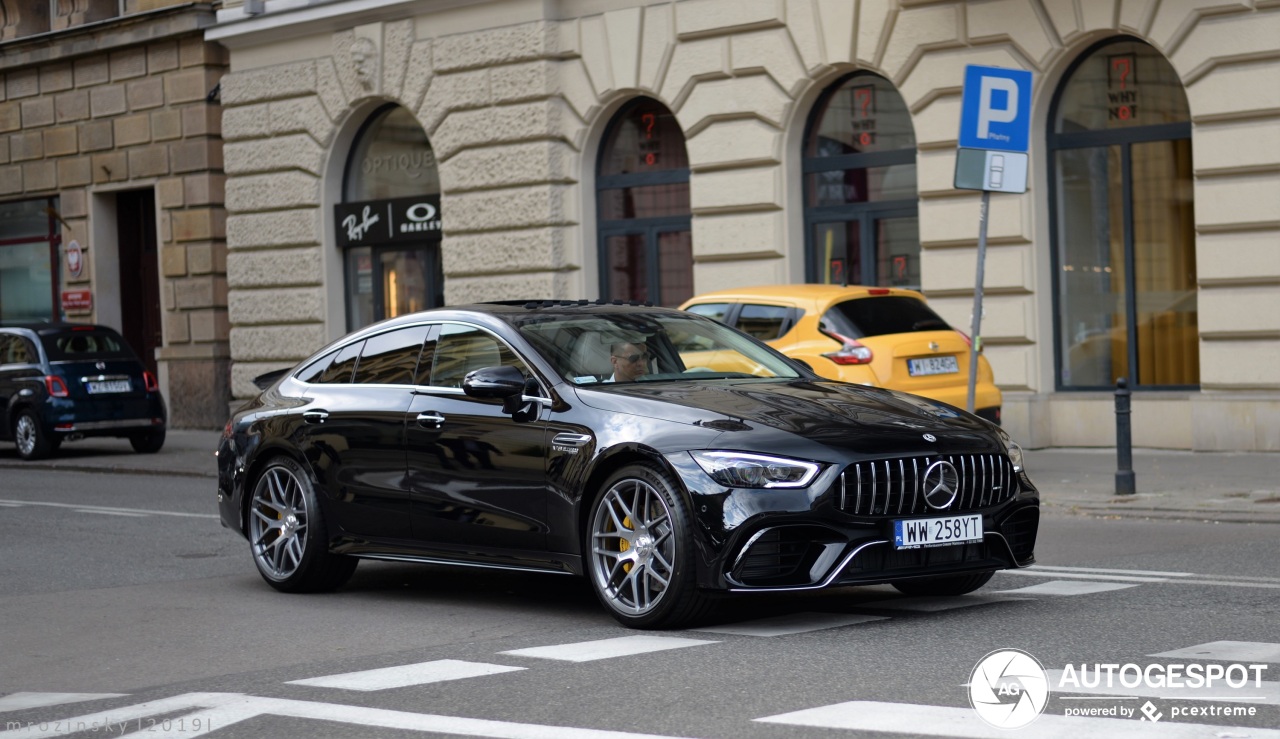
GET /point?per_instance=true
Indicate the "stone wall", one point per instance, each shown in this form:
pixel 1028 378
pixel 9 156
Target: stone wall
pixel 121 106
pixel 515 103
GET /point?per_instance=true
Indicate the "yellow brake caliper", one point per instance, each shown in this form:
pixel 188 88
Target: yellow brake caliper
pixel 624 546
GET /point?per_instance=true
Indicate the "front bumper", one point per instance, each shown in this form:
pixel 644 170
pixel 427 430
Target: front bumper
pixel 808 539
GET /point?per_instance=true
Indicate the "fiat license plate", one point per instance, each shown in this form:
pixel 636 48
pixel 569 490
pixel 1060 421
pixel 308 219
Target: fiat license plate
pixel 109 386
pixel 932 532
pixel 932 366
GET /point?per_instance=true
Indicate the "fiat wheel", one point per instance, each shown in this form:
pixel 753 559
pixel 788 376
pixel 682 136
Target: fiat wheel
pixel 30 438
pixel 287 533
pixel 641 553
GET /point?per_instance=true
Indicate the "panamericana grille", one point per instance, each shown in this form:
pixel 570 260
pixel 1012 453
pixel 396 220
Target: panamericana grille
pixel 891 487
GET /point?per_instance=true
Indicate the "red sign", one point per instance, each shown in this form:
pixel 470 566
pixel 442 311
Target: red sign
pixel 77 301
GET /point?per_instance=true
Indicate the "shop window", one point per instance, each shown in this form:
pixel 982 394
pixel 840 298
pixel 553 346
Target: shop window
pixel 389 224
pixel 29 244
pixel 642 197
pixel 859 170
pixel 1123 223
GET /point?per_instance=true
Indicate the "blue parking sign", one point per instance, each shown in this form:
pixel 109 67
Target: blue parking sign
pixel 995 109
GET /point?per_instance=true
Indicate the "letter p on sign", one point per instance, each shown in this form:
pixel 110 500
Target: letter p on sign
pixel 988 112
pixel 995 112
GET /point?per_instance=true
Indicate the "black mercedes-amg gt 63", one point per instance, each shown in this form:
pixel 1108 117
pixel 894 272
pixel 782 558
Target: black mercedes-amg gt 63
pixel 664 456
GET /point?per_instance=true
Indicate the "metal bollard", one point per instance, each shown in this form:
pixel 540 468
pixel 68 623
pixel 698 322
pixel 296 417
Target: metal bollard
pixel 1125 483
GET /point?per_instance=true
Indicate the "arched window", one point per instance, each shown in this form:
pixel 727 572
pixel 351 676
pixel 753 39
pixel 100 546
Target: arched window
pixel 861 223
pixel 642 197
pixel 1123 224
pixel 388 222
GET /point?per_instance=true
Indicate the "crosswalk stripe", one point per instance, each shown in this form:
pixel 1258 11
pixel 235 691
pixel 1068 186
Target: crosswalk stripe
pixel 1102 571
pixel 1233 651
pixel 623 646
pixel 906 718
pixel 931 604
pixel 120 719
pixel 219 710
pixel 794 623
pixel 1084 576
pixel 1267 692
pixel 386 678
pixel 19 701
pixel 1070 587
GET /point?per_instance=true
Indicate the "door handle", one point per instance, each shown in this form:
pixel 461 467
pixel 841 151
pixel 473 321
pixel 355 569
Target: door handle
pixel 430 418
pixel 315 416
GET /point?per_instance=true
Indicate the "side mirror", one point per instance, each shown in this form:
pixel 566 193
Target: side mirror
pixel 494 382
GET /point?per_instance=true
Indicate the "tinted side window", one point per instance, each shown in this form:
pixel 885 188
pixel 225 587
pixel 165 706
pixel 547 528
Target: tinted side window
pixel 710 310
pixel 6 349
pixel 391 358
pixel 312 372
pixel 892 314
pixel 765 322
pixel 462 349
pixel 344 364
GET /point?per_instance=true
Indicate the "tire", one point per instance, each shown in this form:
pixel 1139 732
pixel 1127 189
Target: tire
pixel 148 442
pixel 29 437
pixel 287 533
pixel 640 553
pixel 946 585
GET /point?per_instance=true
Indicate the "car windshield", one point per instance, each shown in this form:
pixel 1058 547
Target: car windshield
pixel 84 344
pixel 891 314
pixel 641 346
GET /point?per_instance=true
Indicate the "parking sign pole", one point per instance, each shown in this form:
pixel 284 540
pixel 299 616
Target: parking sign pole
pixel 975 335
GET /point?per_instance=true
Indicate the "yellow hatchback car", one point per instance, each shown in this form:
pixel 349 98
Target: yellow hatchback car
pixel 879 336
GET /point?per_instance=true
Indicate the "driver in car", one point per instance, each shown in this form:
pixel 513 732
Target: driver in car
pixel 630 361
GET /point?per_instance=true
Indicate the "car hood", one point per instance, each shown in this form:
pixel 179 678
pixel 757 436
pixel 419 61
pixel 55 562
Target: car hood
pixel 755 414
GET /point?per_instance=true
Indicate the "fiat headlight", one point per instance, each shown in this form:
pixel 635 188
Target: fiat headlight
pixel 743 470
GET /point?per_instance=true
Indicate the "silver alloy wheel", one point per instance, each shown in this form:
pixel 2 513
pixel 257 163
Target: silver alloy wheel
pixel 633 546
pixel 278 522
pixel 24 434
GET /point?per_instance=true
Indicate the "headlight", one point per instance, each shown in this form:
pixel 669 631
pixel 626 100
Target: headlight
pixel 1015 455
pixel 743 470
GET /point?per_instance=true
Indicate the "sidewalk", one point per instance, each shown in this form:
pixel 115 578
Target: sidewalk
pixel 1205 486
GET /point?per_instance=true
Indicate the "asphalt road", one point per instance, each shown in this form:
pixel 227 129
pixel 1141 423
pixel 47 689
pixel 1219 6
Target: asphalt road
pixel 125 591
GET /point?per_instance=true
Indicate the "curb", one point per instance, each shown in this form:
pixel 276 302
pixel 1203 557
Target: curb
pixel 1167 514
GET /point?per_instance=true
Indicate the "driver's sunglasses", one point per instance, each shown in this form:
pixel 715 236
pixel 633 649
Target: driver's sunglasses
pixel 633 357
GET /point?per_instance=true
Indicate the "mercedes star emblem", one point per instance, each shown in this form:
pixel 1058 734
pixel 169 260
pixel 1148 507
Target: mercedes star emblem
pixel 930 437
pixel 941 484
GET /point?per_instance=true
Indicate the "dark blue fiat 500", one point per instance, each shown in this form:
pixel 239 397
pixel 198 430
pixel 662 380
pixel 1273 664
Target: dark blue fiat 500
pixel 63 381
pixel 662 455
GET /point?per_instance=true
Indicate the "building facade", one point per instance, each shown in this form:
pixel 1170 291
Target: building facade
pixel 384 157
pixel 111 184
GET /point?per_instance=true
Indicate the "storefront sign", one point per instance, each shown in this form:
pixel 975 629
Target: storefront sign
pixel 396 221
pixel 75 259
pixel 77 302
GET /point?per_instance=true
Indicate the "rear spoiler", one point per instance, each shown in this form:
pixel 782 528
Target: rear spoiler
pixel 268 379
